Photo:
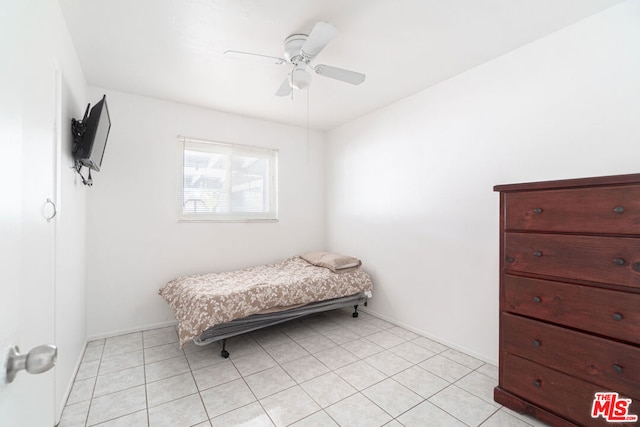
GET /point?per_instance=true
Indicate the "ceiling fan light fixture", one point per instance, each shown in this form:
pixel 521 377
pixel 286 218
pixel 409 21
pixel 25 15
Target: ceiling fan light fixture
pixel 300 78
pixel 299 52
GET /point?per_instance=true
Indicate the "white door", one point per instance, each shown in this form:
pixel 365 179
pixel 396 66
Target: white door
pixel 27 180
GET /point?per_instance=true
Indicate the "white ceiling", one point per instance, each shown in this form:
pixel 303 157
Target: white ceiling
pixel 173 49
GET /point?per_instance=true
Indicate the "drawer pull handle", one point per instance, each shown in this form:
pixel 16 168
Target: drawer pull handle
pixel 617 368
pixel 618 209
pixel 510 259
pixel 537 253
pixel 537 299
pixel 537 343
pixel 537 383
pixel 617 316
pixel 537 210
pixel 619 261
pixel 636 266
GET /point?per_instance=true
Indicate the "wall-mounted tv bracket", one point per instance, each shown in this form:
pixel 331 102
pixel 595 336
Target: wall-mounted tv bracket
pixel 78 128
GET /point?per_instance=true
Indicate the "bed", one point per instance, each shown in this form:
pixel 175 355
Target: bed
pixel 216 306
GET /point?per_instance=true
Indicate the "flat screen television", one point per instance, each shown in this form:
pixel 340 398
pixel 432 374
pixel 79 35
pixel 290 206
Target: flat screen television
pixel 91 135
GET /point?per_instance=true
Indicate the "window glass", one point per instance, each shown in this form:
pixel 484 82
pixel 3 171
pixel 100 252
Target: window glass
pixel 225 182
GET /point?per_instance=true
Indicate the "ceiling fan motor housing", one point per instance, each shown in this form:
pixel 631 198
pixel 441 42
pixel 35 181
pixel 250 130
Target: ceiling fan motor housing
pixel 293 49
pixel 299 78
pixel 299 51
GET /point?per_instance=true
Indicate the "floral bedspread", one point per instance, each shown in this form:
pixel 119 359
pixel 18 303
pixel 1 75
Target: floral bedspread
pixel 202 301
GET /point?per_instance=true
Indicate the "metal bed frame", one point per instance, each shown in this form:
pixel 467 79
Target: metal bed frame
pixel 258 321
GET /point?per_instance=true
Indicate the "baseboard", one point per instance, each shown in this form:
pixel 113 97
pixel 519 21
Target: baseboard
pixel 131 330
pixel 360 308
pixel 84 349
pixel 430 336
pixel 70 386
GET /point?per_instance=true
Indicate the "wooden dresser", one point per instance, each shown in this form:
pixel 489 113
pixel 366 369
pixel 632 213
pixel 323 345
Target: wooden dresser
pixel 570 298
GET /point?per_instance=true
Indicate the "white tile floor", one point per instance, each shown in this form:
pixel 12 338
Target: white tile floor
pixel 326 370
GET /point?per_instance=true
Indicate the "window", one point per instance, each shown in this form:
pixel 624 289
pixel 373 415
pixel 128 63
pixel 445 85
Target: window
pixel 226 182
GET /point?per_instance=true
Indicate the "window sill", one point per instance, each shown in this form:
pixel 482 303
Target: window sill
pixel 185 220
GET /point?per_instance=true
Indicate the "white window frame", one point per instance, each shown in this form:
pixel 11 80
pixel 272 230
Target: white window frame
pixel 271 155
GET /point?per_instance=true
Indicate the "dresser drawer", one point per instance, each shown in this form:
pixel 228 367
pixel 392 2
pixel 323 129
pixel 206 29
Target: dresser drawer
pixel 595 259
pixel 606 363
pixel 587 210
pixel 554 390
pixel 610 313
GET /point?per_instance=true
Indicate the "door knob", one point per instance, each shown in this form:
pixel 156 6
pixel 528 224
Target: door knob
pixel 40 359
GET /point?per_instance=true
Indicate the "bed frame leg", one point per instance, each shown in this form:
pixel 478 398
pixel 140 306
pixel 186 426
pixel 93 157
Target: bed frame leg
pixel 224 353
pixel 355 312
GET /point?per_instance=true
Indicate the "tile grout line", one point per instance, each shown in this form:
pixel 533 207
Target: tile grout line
pixel 95 384
pixel 321 326
pixel 144 371
pixel 489 417
pixel 254 395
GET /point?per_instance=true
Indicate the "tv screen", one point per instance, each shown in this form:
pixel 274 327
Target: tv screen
pixel 94 140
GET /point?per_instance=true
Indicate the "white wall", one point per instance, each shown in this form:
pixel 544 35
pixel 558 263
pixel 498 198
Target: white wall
pixel 51 44
pixel 135 245
pixel 39 33
pixel 71 320
pixel 409 187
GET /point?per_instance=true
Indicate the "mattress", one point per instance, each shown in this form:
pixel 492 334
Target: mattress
pixel 202 301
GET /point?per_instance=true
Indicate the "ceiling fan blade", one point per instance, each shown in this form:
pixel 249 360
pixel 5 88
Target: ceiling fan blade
pixel 320 36
pixel 340 74
pixel 248 55
pixel 285 88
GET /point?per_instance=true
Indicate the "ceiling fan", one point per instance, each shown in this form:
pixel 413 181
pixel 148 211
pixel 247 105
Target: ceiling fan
pixel 299 51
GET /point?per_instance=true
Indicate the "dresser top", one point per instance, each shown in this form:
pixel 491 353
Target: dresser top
pixel 571 183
